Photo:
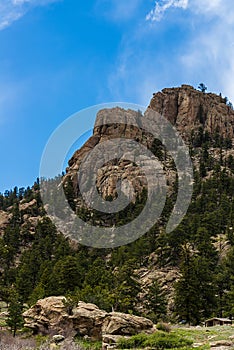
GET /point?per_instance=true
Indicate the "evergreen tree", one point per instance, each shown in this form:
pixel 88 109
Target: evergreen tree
pixel 15 309
pixel 195 292
pixel 156 302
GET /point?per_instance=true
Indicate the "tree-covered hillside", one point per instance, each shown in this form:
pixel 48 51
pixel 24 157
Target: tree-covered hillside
pixel 186 275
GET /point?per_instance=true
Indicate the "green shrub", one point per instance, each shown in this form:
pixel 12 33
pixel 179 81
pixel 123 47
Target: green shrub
pixel 134 342
pixel 162 326
pixel 158 340
pixel 162 340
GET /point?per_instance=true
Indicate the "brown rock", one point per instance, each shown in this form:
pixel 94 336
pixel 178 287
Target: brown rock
pixel 109 341
pixel 4 220
pixel 27 207
pixel 188 108
pixel 87 320
pixel 47 316
pixel 117 323
pixel 51 316
pixel 185 107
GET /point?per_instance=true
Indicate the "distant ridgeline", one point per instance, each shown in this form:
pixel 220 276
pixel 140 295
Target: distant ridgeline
pixel 187 274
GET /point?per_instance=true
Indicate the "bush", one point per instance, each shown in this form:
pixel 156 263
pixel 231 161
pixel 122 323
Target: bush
pixel 162 326
pixel 159 340
pixel 134 342
pixel 87 344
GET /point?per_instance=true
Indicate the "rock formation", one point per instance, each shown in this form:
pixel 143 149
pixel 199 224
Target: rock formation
pixel 189 110
pixel 52 316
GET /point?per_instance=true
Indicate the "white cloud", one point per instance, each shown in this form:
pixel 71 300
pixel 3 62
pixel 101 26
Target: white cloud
pixel 210 50
pixel 162 6
pixel 202 51
pixel 12 10
pixel 218 8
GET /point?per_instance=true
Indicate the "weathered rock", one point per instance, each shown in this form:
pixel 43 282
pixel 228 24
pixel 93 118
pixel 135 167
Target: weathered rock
pixel 185 107
pixel 188 109
pixel 48 316
pixel 109 341
pixel 27 208
pixel 58 338
pixel 112 171
pixel 51 316
pixel 117 323
pixel 221 343
pixel 87 320
pixel 4 220
pixel 166 276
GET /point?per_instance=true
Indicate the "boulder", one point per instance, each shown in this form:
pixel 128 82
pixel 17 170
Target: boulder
pixel 48 316
pixel 221 343
pixel 117 323
pixel 87 320
pixel 109 341
pixel 58 338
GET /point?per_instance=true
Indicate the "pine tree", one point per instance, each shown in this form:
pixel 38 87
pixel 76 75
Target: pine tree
pixel 15 319
pixel 156 302
pixel 195 292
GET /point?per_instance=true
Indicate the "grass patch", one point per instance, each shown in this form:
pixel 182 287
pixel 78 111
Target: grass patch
pixel 88 344
pixel 206 334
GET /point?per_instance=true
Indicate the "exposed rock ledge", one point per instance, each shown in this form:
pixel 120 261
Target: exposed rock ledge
pixel 52 316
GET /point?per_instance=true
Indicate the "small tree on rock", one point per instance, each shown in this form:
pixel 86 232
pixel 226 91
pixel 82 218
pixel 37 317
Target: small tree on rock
pixel 202 87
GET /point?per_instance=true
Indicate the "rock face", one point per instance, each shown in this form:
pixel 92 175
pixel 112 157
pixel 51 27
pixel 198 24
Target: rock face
pixel 188 108
pixel 52 316
pixel 4 220
pixel 112 171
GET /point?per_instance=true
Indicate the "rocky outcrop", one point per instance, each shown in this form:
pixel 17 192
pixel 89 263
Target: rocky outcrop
pixel 52 316
pixel 188 109
pixel 166 276
pixel 48 316
pixel 4 220
pixel 221 345
pixel 112 171
pixel 29 216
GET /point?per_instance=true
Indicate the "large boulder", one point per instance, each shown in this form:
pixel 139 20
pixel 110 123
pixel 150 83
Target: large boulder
pixel 87 320
pixel 117 323
pixel 48 316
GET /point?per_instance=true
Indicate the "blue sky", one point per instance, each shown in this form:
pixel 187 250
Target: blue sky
pixel 58 57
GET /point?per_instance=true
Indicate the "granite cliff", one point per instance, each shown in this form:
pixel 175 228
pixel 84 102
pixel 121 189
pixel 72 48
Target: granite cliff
pixel 198 116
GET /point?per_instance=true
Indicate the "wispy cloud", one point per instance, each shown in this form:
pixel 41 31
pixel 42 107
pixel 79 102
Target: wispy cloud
pixel 162 6
pixel 202 50
pixel 12 10
pixel 118 10
pixel 210 50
